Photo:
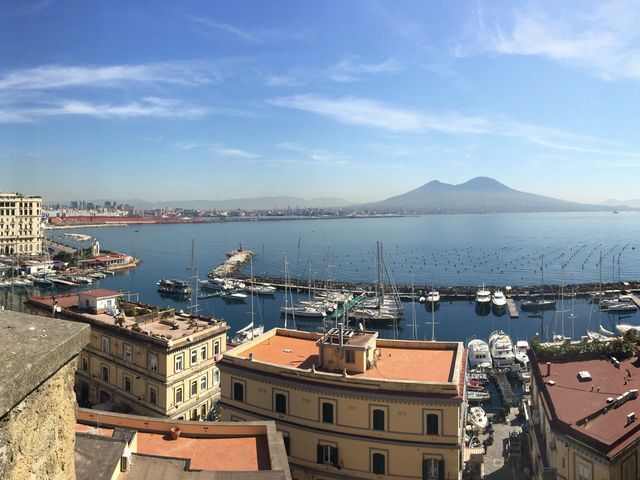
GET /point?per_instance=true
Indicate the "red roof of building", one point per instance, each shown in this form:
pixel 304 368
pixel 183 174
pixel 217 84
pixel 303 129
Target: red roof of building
pixel 100 293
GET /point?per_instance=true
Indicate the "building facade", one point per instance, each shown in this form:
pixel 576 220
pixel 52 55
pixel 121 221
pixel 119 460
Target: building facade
pixel 142 359
pixel 20 224
pixel 583 419
pixel 351 405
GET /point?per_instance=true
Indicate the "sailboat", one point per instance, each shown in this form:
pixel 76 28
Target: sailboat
pixel 250 331
pixel 538 302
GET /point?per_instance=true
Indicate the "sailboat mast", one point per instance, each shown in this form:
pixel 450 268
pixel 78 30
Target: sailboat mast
pixel 413 309
pixel 193 307
pixel 252 286
pixel 286 312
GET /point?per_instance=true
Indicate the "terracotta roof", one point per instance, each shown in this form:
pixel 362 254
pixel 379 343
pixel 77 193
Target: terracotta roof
pixel 100 293
pixel 577 407
pixel 395 363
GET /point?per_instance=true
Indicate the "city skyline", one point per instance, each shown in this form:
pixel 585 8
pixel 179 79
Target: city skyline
pixel 360 101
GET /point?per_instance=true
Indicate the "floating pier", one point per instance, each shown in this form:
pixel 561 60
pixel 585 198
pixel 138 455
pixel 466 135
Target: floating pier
pixel 513 310
pixel 635 299
pixel 232 265
pixel 508 397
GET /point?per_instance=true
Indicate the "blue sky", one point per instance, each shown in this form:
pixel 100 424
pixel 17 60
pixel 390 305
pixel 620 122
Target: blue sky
pixel 359 100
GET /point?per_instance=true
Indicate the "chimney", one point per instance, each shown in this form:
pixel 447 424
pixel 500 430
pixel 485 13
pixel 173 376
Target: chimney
pixel 548 369
pixel 341 334
pixel 631 418
pixel 250 356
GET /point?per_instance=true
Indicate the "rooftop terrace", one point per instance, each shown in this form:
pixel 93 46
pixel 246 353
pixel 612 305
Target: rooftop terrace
pixel 165 326
pixel 400 361
pixel 583 408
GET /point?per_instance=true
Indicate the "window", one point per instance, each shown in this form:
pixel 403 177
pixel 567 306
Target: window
pixel 216 347
pixel 629 469
pixel 127 383
pixel 105 373
pixel 194 414
pixel 153 362
pixel 238 391
pixel 583 470
pixel 432 468
pixel 432 424
pixel 327 412
pixel 178 362
pixel 127 353
pixel 216 376
pixel 194 388
pixel 203 353
pixel 194 356
pixel 203 383
pixel 178 395
pixel 378 463
pixel 105 344
pixel 281 403
pixel 377 420
pixel 287 444
pixel 153 396
pixel 84 364
pixel 350 356
pixel 328 454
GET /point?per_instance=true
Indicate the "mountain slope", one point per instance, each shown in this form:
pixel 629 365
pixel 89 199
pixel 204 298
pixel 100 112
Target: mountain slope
pixel 478 195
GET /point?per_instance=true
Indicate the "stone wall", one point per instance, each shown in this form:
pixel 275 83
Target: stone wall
pixel 37 436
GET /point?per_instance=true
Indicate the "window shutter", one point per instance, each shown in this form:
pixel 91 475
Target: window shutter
pixel 425 468
pixel 333 453
pixel 440 469
pixel 320 454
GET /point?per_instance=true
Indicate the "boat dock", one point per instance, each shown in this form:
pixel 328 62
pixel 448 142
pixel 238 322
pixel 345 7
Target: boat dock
pixel 60 281
pixel 511 307
pixel 635 299
pixel 348 306
pixel 507 395
pixel 232 265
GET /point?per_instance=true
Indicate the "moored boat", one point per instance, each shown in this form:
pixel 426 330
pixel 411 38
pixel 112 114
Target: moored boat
pixel 501 349
pixel 174 287
pixel 478 419
pixel 479 355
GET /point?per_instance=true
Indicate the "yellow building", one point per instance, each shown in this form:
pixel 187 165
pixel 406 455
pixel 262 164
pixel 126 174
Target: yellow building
pixel 351 405
pixel 583 419
pixel 142 359
pixel 20 224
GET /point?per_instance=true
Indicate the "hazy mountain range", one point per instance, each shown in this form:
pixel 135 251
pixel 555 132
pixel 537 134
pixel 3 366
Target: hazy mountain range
pixel 478 195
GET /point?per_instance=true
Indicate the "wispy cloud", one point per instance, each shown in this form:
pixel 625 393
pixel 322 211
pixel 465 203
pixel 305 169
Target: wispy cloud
pixel 372 113
pixel 282 81
pixel 47 77
pixel 315 156
pixel 215 148
pixel 146 107
pixel 19 8
pixel 351 70
pixel 226 28
pixel 233 152
pixel 600 37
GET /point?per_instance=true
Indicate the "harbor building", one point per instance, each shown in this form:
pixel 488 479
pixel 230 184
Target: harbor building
pixel 20 224
pixel 142 359
pixel 583 418
pixel 351 405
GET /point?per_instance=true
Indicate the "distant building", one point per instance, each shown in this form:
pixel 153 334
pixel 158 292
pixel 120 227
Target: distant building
pixel 142 359
pixel 20 224
pixel 584 419
pixel 353 405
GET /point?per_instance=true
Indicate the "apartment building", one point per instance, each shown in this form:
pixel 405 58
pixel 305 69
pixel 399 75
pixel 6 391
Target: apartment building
pixel 142 359
pixel 583 418
pixel 20 224
pixel 351 405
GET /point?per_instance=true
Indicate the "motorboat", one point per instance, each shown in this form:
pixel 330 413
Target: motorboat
pixel 617 306
pixel 623 328
pixel 247 333
pixel 475 396
pixel 306 311
pixel 234 296
pixel 483 296
pixel 432 297
pixel 537 303
pixel 501 349
pixel 478 418
pixel 174 287
pixel 520 352
pixel 479 355
pixel 476 385
pixel 261 289
pixel 498 300
pixel 42 282
pixel 476 375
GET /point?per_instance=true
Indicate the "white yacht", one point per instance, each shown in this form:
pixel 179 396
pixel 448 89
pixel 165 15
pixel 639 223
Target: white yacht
pixel 479 355
pixel 624 328
pixel 478 419
pixel 520 352
pixel 433 297
pixel 498 300
pixel 501 349
pixel 483 297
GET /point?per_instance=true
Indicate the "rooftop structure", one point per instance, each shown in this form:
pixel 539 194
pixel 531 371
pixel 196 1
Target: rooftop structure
pixel 591 405
pixel 352 405
pixel 144 448
pixel 144 359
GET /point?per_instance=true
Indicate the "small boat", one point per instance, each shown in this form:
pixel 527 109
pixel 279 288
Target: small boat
pixel 247 333
pixel 478 419
pixel 483 296
pixel 498 300
pixel 624 328
pixel 83 280
pixel 474 396
pixel 520 352
pixel 479 355
pixel 605 332
pixel 307 311
pixel 42 282
pixel 234 296
pixel 537 303
pixel 432 297
pixel 480 376
pixel 261 289
pixel 98 275
pixel 501 349
pixel 476 385
pixel 174 287
pixel 618 307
